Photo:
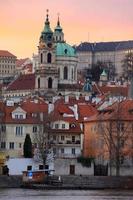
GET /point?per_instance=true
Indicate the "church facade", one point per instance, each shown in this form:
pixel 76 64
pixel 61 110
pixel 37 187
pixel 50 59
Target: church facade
pixel 56 72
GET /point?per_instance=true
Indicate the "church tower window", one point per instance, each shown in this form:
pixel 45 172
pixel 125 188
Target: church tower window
pixel 49 58
pixel 41 58
pixel 38 82
pixel 50 81
pixel 72 74
pixel 65 73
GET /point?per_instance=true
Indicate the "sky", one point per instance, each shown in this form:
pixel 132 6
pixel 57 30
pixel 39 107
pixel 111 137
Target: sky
pixel 21 22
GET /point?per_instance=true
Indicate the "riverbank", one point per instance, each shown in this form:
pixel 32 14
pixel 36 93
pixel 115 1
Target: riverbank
pixel 70 182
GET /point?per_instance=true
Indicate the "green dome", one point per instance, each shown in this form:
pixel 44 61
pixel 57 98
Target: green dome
pixel 63 49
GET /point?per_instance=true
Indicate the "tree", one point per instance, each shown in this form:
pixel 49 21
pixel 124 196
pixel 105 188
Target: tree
pixel 41 139
pixel 127 64
pixel 97 69
pixel 28 147
pixel 114 134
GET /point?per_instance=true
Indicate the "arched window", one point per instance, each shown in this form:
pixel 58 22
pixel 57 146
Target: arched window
pixel 41 58
pixel 72 75
pixel 50 81
pixel 38 82
pixel 49 58
pixel 65 73
pixel 59 72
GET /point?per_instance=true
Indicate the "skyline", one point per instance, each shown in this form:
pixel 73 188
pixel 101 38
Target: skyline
pixel 90 20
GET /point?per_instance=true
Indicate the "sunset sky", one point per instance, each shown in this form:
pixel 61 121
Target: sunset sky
pixel 21 22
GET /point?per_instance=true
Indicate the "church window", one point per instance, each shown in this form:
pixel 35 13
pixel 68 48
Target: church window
pixel 65 73
pixel 59 72
pixel 49 58
pixel 65 51
pixel 72 74
pixel 41 58
pixel 38 82
pixel 50 83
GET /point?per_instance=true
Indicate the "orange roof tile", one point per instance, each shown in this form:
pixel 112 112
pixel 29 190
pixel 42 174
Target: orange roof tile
pixel 23 82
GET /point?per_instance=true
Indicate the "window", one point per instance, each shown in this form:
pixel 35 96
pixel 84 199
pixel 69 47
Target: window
pixel 54 137
pixel 72 74
pixel 20 145
pixel 3 145
pixel 19 130
pixel 65 73
pixel 62 137
pixel 11 145
pixel 62 150
pixel 38 82
pixel 18 116
pixel 54 150
pixel 49 58
pixel 73 139
pixel 41 58
pixel 29 167
pixel 41 167
pixel 73 151
pixel 56 126
pixel 34 129
pixel 50 81
pixel 63 126
pixel 3 128
pixel 120 126
pixel 65 51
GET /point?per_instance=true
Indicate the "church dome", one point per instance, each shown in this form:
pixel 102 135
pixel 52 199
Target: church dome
pixel 64 49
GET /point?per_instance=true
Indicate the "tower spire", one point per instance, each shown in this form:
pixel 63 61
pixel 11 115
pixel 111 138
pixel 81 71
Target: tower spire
pixel 58 21
pixel 47 17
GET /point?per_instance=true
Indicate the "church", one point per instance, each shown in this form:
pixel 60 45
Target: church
pixel 56 73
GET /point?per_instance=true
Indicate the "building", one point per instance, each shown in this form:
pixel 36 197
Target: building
pixel 111 54
pixel 7 66
pixel 56 72
pixel 108 137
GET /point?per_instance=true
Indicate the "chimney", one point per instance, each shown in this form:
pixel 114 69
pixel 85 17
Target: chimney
pixel 66 99
pixel 76 111
pixel 50 107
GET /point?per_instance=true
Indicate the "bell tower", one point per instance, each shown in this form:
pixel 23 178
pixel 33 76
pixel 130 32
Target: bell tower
pixel 47 73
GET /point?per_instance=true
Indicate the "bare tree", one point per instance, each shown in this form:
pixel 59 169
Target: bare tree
pixel 115 132
pixel 41 138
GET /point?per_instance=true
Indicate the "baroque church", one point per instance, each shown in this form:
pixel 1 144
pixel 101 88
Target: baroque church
pixel 56 73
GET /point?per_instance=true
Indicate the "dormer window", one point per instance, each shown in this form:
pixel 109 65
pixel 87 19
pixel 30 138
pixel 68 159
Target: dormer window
pixel 17 116
pixel 65 51
pixel 72 125
pixel 56 126
pixel 63 126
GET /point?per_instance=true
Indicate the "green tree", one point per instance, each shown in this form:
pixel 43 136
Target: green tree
pixel 28 147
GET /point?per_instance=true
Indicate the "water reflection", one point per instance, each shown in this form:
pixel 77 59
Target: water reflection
pixel 24 194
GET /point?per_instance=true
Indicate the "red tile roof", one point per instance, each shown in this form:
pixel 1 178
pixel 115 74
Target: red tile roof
pixel 30 107
pixel 6 54
pixel 20 62
pixel 86 110
pixel 112 89
pixel 119 110
pixel 23 82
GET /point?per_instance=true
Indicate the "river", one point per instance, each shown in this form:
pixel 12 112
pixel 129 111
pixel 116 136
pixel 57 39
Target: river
pixel 26 194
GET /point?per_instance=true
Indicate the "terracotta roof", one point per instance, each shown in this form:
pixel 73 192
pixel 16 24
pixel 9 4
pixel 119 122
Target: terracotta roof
pixel 119 110
pixel 6 54
pixel 113 90
pixel 23 82
pixel 20 62
pixel 32 109
pixel 86 110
